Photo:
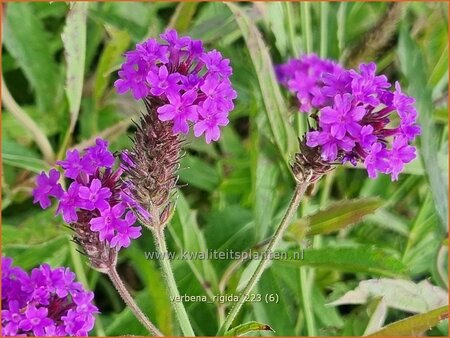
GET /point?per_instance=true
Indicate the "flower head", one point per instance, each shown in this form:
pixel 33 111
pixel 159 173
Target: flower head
pixel 178 76
pixel 93 204
pixel 354 115
pixel 37 304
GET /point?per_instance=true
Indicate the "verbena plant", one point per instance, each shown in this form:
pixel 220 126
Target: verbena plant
pixel 221 160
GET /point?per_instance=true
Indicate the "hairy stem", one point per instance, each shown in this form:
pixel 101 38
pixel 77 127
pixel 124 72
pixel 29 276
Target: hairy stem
pixel 129 301
pixel 265 259
pixel 178 306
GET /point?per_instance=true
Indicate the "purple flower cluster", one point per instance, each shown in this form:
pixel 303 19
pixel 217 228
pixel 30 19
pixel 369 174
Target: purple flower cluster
pixel 303 77
pixel 94 192
pixel 192 84
pixel 357 115
pixel 48 302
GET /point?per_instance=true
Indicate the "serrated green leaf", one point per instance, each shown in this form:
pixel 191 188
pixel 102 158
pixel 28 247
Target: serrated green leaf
pixel 367 259
pixel 242 329
pixel 415 325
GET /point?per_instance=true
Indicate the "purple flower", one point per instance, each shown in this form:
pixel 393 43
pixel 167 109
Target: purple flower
pixel 219 92
pixel 69 202
pixel 330 145
pixel 13 317
pixel 404 105
pixel 151 51
pixel 161 82
pixel 400 154
pixel 108 221
pixel 99 155
pixel 93 203
pixel 376 160
pixel 180 109
pixel 95 195
pixel 343 117
pixel 171 36
pixel 74 164
pixel 132 77
pixel 353 112
pixel 366 86
pixel 216 64
pixel 305 77
pixel 176 76
pixel 41 309
pixel 36 320
pixel 126 232
pixel 209 122
pixel 47 186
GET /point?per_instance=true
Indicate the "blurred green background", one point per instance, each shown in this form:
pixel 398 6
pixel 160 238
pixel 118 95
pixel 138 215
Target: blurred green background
pixel 352 229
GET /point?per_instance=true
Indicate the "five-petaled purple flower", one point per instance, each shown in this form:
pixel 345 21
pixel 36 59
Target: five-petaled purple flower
pixel 182 76
pixel 38 304
pixel 47 186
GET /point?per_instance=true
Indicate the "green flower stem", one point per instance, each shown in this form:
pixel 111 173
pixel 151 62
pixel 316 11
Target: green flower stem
pixel 290 212
pixel 129 301
pixel 178 306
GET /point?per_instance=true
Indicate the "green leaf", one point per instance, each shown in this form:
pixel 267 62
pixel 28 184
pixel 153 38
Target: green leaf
pixel 74 39
pixel 116 45
pixel 54 251
pixel 378 310
pixel 413 66
pixel 275 108
pixel 27 41
pixel 187 236
pixel 335 217
pixel 183 15
pixel 398 294
pixel 198 173
pixel 32 164
pixel 415 325
pixel 242 329
pixel 367 259
pixel 264 195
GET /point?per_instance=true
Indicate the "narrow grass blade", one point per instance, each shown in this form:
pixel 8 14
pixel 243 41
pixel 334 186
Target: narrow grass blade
pixel 275 108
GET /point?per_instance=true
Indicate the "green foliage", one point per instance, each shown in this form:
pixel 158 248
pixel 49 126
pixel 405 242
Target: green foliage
pixel 233 193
